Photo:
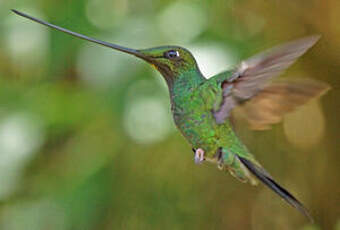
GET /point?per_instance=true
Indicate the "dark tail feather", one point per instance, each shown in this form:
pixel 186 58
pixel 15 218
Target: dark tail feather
pixel 267 180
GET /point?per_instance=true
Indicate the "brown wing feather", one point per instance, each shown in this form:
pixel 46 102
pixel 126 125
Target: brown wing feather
pixel 273 102
pixel 254 74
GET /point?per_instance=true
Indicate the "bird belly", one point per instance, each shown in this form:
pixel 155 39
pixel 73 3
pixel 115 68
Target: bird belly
pixel 195 120
pixel 200 130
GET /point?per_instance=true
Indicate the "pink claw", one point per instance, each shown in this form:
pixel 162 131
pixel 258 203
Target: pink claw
pixel 199 156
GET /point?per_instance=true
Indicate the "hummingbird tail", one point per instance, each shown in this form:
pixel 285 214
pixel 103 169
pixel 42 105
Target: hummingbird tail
pixel 264 177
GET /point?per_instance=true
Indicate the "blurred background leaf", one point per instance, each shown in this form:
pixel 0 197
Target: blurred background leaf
pixel 86 135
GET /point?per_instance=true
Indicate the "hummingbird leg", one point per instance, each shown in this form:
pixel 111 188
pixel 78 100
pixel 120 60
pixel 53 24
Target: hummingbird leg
pixel 199 156
pixel 220 159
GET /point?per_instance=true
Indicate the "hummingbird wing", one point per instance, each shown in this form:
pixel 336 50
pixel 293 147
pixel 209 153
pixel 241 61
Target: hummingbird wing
pixel 265 103
pixel 274 101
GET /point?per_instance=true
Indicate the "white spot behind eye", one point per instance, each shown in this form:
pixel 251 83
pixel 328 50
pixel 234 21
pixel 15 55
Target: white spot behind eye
pixel 177 53
pixel 172 54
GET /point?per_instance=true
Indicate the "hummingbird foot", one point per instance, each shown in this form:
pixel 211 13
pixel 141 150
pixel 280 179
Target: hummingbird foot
pixel 199 156
pixel 220 159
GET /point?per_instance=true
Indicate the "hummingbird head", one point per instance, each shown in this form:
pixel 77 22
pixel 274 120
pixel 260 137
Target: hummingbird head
pixel 170 61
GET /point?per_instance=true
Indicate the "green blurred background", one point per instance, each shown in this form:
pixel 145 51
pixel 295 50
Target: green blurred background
pixel 86 135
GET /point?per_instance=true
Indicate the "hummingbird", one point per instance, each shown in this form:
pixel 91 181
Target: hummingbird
pixel 204 109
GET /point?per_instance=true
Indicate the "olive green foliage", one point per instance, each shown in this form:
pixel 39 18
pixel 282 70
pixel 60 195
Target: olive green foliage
pixel 86 136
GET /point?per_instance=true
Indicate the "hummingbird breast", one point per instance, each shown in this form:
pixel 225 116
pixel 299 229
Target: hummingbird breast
pixel 193 117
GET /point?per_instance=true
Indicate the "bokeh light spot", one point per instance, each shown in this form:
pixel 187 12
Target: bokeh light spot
pixel 101 67
pixel 181 22
pixel 305 127
pixel 24 38
pixel 147 120
pixel 105 14
pixel 20 136
pixel 213 58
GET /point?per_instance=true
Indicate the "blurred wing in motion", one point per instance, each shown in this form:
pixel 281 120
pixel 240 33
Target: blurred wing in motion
pixel 252 76
pixel 273 102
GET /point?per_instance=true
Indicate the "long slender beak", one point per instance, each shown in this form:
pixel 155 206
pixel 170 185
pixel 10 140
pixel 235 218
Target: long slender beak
pixel 81 36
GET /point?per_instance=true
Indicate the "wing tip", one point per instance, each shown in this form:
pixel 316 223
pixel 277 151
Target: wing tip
pixel 301 45
pixel 311 40
pixel 314 38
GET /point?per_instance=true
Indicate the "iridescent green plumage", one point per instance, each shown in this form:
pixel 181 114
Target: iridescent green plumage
pixel 202 108
pixel 192 110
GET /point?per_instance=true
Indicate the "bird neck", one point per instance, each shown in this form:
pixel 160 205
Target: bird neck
pixel 186 82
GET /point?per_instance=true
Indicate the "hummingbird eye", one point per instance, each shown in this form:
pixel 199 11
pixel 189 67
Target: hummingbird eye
pixel 172 54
